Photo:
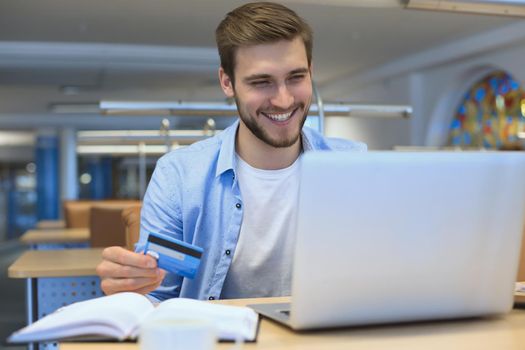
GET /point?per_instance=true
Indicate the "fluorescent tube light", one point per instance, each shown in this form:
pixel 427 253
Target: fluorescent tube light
pixel 120 136
pixel 16 138
pixel 366 110
pixel 167 108
pixel 122 149
pixel 225 109
pixel 352 3
pixel 486 7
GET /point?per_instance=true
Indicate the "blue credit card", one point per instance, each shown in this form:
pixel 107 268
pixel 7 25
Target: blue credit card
pixel 174 255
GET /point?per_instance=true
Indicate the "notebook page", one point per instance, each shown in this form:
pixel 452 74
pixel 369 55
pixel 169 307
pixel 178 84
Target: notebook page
pixel 114 316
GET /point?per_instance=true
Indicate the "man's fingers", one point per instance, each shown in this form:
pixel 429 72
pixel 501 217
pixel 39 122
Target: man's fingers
pixel 139 285
pixel 123 256
pixel 149 288
pixel 110 269
pixel 124 271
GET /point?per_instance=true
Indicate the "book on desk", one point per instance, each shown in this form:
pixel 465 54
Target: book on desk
pixel 120 316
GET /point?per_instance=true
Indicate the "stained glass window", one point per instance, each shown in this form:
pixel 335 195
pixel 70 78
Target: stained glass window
pixel 491 115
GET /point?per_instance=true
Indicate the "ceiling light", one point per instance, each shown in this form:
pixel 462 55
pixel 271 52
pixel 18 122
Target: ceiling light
pixel 487 7
pixel 97 137
pixel 16 138
pixel 353 3
pixel 365 110
pixel 226 109
pixel 167 108
pixel 514 8
pixel 123 149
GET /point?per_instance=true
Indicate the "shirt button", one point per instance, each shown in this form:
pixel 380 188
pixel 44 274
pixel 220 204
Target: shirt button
pixel 228 252
pixel 238 205
pixel 211 298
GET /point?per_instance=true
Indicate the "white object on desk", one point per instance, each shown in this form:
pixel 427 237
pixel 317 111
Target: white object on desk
pixel 120 316
pixel 179 334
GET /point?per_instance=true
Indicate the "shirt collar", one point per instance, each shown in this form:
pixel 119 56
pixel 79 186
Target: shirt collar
pixel 227 160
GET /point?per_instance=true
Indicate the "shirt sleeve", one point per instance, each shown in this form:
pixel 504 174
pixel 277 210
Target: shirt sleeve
pixel 161 213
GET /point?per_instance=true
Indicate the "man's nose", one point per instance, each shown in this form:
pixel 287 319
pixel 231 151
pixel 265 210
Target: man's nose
pixel 282 99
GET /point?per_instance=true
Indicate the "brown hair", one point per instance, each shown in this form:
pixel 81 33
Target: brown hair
pixel 259 23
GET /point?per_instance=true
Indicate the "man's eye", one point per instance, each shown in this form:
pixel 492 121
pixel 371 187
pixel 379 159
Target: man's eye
pixel 260 83
pixel 297 78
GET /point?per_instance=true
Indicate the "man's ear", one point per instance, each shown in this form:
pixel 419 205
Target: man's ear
pixel 226 83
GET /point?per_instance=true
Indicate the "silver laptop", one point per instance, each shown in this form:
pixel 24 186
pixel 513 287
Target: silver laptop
pixel 393 237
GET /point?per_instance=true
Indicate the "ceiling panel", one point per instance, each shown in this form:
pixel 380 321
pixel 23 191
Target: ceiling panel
pixel 348 40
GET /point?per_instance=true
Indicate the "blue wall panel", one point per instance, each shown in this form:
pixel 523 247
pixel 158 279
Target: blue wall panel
pixel 101 185
pixel 47 167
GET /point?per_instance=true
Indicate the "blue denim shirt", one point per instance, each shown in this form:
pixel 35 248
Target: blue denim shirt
pixel 194 196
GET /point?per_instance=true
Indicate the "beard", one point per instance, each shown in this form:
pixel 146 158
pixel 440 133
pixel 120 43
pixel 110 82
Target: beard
pixel 262 134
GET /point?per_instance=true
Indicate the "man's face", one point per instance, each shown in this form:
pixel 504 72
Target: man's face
pixel 273 90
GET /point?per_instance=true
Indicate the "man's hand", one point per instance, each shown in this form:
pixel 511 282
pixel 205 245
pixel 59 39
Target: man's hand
pixel 122 270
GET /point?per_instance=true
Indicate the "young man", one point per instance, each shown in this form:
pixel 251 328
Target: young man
pixel 235 194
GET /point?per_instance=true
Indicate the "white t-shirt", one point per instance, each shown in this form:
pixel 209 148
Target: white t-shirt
pixel 262 261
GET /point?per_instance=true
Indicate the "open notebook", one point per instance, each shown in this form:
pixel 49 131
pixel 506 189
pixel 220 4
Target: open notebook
pixel 121 315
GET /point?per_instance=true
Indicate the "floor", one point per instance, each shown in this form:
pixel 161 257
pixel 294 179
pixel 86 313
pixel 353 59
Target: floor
pixel 12 295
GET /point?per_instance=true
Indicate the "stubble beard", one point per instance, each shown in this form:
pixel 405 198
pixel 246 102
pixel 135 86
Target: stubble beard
pixel 259 132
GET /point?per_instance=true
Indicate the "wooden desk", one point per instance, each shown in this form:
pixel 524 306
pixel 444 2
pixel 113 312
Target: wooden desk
pixel 502 333
pixel 50 224
pixel 519 297
pixel 56 235
pixel 56 263
pixel 57 277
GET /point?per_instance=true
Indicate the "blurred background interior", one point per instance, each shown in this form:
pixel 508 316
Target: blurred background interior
pixel 92 93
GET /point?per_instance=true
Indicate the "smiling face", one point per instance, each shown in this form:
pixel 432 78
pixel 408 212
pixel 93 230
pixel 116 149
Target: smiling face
pixel 273 91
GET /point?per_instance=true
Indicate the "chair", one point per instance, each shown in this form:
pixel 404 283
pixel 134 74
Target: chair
pixel 131 221
pixel 77 212
pixel 106 225
pixel 521 270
